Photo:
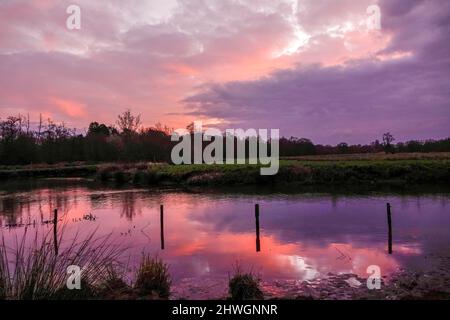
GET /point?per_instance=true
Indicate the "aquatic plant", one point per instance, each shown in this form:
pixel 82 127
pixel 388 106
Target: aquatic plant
pixel 244 286
pixel 31 270
pixel 153 278
pixel 114 286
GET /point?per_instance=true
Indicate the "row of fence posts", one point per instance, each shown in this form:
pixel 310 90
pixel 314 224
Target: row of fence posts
pixel 389 220
pixel 258 241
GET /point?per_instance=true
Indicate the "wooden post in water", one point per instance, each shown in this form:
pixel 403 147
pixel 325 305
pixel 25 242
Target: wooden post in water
pixel 161 221
pixel 389 220
pixel 55 230
pixel 258 243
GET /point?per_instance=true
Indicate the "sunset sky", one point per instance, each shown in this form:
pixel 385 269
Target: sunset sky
pixel 310 68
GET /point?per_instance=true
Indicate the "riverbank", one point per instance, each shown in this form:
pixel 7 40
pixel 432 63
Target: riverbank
pixel 430 284
pixel 307 240
pixel 291 172
pixel 404 285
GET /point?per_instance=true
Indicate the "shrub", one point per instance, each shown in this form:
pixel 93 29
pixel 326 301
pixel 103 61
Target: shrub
pixel 119 177
pixel 104 173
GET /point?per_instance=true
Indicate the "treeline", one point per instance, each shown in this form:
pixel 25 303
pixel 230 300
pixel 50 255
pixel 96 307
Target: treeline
pixel 50 142
pixel 299 147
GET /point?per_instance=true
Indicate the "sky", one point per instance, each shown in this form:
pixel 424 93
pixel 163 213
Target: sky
pixel 311 68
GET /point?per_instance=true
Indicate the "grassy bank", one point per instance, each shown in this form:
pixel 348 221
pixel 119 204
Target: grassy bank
pixel 339 172
pixel 374 156
pixel 49 171
pixel 36 272
pixel 309 173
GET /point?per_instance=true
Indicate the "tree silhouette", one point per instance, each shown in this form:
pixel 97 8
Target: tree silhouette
pixel 388 138
pixel 52 142
pixel 128 123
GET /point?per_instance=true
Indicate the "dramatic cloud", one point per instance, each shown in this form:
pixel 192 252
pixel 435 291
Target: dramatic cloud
pixel 402 87
pixel 311 68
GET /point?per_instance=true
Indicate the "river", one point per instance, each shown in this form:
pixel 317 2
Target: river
pixel 303 236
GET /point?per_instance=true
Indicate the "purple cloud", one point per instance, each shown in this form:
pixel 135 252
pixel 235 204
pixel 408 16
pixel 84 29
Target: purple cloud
pixel 360 100
pixel 309 67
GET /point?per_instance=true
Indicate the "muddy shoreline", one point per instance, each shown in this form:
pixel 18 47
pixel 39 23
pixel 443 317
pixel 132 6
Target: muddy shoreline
pixel 432 284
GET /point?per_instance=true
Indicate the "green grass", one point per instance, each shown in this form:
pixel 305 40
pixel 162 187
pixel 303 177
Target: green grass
pixel 308 173
pixel 375 156
pixel 339 171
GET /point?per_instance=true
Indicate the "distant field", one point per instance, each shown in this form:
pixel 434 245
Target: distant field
pixel 356 169
pixel 374 156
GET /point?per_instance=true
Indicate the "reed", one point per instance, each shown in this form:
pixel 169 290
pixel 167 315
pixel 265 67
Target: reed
pixel 244 286
pixel 31 270
pixel 153 278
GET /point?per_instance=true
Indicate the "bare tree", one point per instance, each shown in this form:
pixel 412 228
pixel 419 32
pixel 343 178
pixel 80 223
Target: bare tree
pixel 128 123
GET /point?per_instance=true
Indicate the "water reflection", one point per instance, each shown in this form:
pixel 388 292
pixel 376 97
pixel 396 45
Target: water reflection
pixel 161 224
pixel 129 204
pixel 298 236
pixel 258 240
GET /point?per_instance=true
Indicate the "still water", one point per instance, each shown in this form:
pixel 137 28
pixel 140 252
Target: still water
pixel 303 236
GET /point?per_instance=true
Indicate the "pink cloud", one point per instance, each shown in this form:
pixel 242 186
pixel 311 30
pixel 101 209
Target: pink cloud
pixel 70 108
pixel 126 56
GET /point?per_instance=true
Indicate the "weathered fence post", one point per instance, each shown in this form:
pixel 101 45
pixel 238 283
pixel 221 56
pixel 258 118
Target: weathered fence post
pixel 55 230
pixel 258 243
pixel 161 219
pixel 389 220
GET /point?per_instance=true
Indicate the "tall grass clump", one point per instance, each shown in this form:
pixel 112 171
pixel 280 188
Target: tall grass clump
pixel 114 286
pixel 152 278
pixel 31 270
pixel 244 286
